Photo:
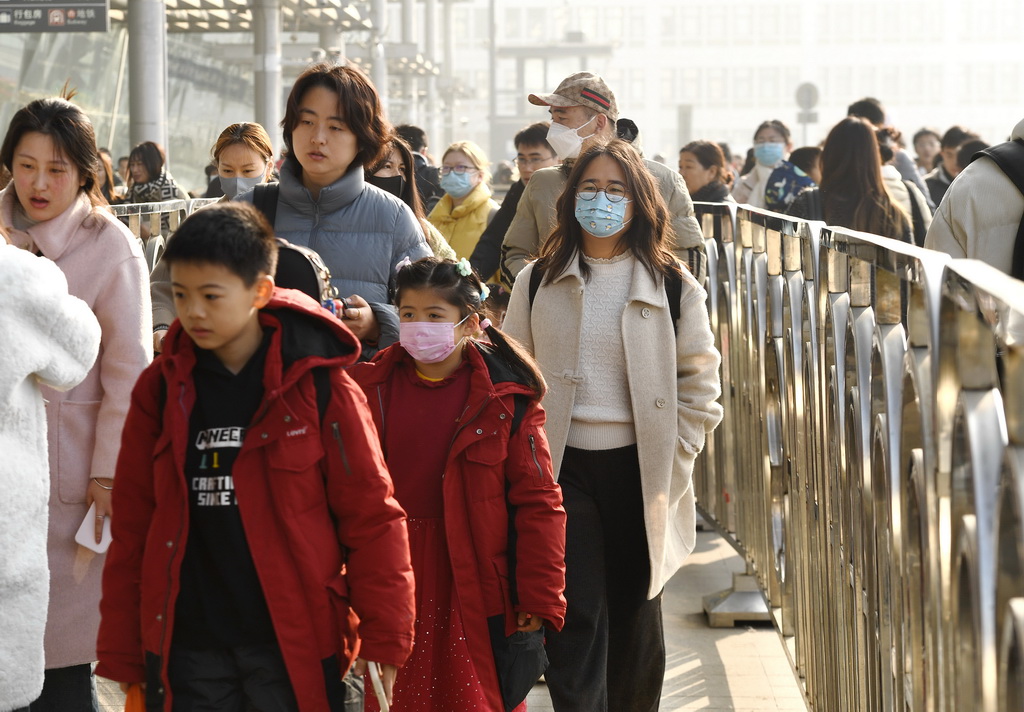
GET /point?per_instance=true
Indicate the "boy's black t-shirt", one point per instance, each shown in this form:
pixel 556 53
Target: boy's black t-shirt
pixel 221 602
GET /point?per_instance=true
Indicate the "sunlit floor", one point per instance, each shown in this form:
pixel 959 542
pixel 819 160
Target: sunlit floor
pixel 741 668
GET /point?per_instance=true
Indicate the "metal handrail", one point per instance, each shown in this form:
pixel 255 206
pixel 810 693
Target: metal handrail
pixel 871 460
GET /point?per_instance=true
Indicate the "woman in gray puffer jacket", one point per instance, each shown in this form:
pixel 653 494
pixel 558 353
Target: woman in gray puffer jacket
pixel 334 126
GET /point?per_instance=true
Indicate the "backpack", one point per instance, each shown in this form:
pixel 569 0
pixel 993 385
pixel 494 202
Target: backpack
pixel 297 267
pixel 1009 157
pixel 673 290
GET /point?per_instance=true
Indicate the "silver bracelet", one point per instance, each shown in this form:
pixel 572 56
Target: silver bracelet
pixel 101 485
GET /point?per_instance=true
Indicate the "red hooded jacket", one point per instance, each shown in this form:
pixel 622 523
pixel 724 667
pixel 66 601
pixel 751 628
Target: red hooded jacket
pixel 315 499
pixel 488 469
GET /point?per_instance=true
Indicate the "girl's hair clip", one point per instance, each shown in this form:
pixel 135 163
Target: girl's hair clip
pixel 484 292
pixel 403 263
pixel 463 267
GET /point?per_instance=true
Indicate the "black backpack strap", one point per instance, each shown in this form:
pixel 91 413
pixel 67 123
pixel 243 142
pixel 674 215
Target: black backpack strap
pixel 264 197
pixel 915 213
pixel 1009 157
pixel 674 293
pixel 322 383
pixel 535 278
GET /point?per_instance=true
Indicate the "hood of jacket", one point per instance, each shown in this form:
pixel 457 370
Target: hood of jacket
pixel 306 336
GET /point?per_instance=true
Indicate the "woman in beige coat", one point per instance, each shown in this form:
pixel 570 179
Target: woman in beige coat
pixel 53 208
pixel 600 325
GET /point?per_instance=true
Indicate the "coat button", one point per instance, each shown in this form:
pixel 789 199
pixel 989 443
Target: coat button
pixel 645 313
pixel 159 616
pixel 170 544
pixel 160 690
pixel 287 418
pixel 479 431
pixel 660 402
pixel 263 436
pixel 502 416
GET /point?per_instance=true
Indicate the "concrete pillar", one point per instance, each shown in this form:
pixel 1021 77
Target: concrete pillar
pixel 410 88
pixel 433 100
pixel 267 67
pixel 379 17
pixel 331 40
pixel 496 139
pixel 448 73
pixel 147 72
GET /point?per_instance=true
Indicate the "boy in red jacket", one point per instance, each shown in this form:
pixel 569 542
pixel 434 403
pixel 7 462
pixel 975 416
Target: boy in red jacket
pixel 252 501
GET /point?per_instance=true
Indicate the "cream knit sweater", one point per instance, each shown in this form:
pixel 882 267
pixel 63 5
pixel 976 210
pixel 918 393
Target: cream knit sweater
pixel 602 415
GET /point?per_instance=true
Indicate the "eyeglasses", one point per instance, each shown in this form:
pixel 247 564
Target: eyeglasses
pixel 533 161
pixel 445 170
pixel 614 193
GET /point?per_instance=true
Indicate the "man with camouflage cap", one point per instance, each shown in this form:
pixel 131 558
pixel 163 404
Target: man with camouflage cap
pixel 583 114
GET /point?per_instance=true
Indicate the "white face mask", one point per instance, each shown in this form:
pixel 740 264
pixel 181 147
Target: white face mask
pixel 236 185
pixel 567 142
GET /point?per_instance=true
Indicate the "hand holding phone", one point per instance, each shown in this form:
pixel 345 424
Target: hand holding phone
pixel 86 535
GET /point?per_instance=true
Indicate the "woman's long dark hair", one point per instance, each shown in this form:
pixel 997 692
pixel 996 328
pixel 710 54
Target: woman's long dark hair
pixel 71 132
pixel 410 191
pixel 650 231
pixel 464 292
pixel 852 191
pixel 151 156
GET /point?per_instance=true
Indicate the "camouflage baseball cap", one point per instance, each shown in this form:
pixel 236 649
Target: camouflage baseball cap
pixel 581 89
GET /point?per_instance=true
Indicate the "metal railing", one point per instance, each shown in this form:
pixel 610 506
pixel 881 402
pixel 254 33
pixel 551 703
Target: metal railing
pixel 154 223
pixel 870 465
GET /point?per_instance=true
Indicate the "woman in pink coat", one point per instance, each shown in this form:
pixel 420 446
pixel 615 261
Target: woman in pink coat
pixel 53 208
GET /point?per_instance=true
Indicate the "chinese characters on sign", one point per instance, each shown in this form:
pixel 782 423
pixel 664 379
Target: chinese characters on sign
pixel 54 16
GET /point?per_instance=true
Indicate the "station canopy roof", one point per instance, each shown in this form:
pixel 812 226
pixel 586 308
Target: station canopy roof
pixel 236 15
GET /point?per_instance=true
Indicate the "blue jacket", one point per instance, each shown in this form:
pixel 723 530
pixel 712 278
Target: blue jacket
pixel 360 231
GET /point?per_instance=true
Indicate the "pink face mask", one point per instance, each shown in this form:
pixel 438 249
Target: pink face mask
pixel 428 342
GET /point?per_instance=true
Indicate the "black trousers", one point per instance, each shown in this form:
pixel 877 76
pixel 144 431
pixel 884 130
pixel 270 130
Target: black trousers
pixel 250 678
pixel 610 655
pixel 67 689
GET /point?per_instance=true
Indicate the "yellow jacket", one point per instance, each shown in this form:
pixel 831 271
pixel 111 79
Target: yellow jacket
pixel 463 225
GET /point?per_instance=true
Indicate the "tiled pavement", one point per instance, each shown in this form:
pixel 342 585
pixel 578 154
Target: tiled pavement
pixel 741 668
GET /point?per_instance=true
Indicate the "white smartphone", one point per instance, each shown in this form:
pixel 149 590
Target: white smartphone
pixel 86 535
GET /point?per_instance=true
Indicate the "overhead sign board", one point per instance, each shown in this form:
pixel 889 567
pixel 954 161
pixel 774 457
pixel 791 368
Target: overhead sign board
pixel 54 16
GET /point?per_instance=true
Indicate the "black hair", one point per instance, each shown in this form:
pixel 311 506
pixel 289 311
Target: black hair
pixel 921 133
pixel 868 108
pixel 71 132
pixel 358 104
pixel 967 151
pixel 463 292
pixel 805 157
pixel 413 135
pixel 234 235
pixel 151 156
pixel 648 235
pixel 957 136
pixel 535 135
pixel 776 125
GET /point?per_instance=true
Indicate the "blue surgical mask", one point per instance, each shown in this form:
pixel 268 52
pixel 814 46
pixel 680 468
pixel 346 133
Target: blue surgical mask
pixel 236 185
pixel 457 185
pixel 770 153
pixel 601 217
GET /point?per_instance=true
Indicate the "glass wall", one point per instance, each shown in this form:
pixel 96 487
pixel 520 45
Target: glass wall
pixel 204 94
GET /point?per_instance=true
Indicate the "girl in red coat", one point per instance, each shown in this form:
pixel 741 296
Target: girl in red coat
pixel 462 431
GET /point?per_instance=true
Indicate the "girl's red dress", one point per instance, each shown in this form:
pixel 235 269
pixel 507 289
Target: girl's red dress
pixel 421 419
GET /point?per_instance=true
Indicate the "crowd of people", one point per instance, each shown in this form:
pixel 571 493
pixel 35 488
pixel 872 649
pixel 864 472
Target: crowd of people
pixel 469 466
